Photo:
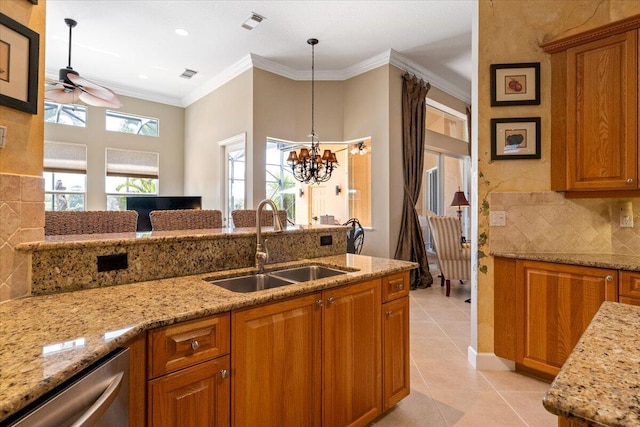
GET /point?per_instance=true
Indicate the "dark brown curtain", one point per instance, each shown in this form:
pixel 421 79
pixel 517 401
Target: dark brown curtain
pixel 410 241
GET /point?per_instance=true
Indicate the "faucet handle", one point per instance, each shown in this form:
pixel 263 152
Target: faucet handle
pixel 266 251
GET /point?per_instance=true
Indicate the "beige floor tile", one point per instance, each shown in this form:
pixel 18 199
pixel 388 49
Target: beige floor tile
pixel 510 381
pixel 528 404
pixel 476 408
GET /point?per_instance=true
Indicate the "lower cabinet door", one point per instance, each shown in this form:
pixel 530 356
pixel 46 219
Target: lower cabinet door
pixel 197 396
pixel 276 359
pixel 352 376
pixel 395 351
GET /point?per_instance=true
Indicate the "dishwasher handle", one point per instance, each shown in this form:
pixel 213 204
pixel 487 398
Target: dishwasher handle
pixel 100 406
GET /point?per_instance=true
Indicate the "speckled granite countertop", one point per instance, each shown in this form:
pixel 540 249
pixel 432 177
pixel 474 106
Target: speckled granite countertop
pixel 599 383
pixel 46 340
pixel 612 261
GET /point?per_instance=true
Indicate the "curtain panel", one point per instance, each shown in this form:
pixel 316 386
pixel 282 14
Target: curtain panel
pixel 410 245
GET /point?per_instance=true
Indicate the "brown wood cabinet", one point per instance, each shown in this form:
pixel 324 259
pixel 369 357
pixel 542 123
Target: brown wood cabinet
pixel 595 110
pixel 395 351
pixel 197 396
pixel 352 372
pixel 630 287
pixel 188 373
pixel 554 304
pixel 312 360
pixel 276 357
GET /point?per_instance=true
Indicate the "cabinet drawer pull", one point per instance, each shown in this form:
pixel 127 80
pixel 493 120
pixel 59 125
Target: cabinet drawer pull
pixel 330 300
pixel 609 278
pixel 400 286
pixel 195 345
pixel 224 373
pixel 319 302
pixel 630 181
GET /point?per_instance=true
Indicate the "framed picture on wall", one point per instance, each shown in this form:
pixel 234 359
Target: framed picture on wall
pixel 19 61
pixel 515 138
pixel 515 84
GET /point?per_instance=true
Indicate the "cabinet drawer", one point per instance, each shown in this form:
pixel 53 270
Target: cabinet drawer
pixel 629 300
pixel 630 284
pixel 183 344
pixel 395 286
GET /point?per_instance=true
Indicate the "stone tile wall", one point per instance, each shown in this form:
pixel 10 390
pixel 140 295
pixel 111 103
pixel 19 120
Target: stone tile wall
pixel 547 222
pixel 21 220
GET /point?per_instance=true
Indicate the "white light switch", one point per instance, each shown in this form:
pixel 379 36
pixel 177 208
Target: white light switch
pixel 498 218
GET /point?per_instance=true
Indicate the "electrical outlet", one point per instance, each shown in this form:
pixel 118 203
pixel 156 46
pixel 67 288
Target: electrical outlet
pixel 626 221
pixel 498 218
pixel 3 134
pixel 626 215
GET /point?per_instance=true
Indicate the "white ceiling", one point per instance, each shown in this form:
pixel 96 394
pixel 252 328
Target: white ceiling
pixel 118 40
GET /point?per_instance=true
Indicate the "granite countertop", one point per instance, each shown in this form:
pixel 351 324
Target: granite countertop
pixel 115 239
pixel 47 339
pixel 599 383
pixel 611 261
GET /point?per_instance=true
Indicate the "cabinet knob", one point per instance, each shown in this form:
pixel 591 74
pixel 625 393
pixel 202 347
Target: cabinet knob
pixel 630 181
pixel 330 300
pixel 400 285
pixel 195 345
pixel 609 278
pixel 319 302
pixel 224 373
pixel 389 313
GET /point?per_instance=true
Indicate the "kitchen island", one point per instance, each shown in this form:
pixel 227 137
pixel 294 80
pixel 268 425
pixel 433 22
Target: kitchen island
pixel 47 339
pixel 600 381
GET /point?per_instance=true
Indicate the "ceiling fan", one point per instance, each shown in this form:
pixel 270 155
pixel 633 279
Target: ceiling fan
pixel 70 87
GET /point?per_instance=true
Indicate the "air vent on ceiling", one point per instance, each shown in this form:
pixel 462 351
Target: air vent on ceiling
pixel 252 21
pixel 187 74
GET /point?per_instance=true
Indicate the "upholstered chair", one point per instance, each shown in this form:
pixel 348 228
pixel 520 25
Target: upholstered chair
pixel 247 218
pixel 454 257
pixel 89 222
pixel 185 219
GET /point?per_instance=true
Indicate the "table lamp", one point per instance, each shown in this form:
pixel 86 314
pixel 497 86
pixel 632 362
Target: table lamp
pixel 459 200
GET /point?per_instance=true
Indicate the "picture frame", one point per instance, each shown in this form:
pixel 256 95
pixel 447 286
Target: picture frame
pixel 19 63
pixel 33 1
pixel 515 84
pixel 515 138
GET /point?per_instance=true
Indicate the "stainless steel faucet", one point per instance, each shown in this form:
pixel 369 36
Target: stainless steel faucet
pixel 262 255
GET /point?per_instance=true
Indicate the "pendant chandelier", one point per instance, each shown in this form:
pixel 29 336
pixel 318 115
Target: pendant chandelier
pixel 308 166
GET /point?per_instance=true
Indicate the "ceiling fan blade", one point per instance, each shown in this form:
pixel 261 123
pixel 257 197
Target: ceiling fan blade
pixel 62 96
pixel 92 88
pixel 90 99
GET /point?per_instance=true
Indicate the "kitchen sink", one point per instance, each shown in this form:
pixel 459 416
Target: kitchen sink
pixel 307 272
pixel 251 283
pixel 274 279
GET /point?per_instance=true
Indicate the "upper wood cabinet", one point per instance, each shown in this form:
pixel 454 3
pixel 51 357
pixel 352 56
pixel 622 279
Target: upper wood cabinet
pixel 594 110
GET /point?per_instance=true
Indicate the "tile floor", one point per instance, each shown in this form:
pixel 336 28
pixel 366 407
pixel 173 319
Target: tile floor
pixel 445 389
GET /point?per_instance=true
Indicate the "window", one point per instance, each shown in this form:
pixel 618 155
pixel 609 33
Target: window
pixel 129 123
pixel 130 172
pixel 446 121
pixel 65 176
pixel 279 180
pixel 65 114
pixel 234 165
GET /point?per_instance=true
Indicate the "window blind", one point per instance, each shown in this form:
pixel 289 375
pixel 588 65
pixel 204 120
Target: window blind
pixel 129 163
pixel 65 157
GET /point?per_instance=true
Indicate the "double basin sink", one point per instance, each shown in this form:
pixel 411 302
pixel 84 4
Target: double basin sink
pixel 274 279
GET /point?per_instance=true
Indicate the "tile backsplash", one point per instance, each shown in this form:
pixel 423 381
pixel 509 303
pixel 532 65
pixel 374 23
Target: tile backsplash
pixel 21 220
pixel 547 222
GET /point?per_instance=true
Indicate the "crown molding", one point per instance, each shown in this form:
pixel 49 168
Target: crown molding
pixel 389 57
pixel 441 83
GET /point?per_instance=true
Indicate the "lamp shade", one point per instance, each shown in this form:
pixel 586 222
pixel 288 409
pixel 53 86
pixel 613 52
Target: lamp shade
pixel 459 199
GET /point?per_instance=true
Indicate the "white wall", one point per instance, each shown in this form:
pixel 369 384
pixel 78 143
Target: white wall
pixel 170 145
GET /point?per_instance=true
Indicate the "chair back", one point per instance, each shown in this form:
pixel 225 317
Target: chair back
pixel 355 236
pixel 453 258
pixel 185 219
pixel 247 218
pixel 89 222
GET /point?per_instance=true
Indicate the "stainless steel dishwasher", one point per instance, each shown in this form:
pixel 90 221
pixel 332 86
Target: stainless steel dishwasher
pixel 98 397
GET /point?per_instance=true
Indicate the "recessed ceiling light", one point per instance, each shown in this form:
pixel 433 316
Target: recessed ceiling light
pixel 182 32
pixel 143 76
pixel 252 21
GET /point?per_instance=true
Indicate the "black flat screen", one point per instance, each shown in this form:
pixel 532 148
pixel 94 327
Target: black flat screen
pixel 145 204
